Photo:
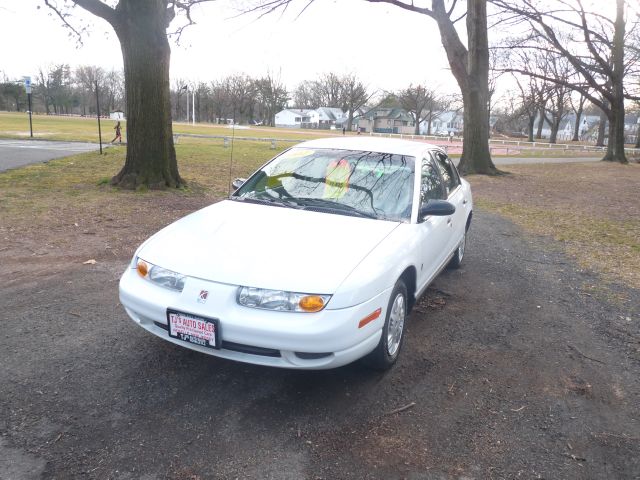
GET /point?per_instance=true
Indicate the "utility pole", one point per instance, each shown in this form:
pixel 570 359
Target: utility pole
pixel 98 111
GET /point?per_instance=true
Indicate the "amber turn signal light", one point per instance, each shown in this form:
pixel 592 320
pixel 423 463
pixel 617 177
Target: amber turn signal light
pixel 143 268
pixel 311 303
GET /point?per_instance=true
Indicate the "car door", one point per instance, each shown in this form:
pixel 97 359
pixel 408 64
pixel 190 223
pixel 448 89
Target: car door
pixel 434 230
pixel 455 195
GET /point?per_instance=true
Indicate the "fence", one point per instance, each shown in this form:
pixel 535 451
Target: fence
pixel 634 152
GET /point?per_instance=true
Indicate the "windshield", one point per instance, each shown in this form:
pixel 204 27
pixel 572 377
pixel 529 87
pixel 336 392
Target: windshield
pixel 348 182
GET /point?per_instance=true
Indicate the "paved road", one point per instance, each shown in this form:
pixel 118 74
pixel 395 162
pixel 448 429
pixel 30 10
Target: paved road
pixel 18 153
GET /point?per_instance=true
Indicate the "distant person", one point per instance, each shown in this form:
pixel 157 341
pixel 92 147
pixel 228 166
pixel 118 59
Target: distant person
pixel 451 136
pixel 118 130
pixel 344 130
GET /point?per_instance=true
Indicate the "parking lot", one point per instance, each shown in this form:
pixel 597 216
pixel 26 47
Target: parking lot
pixel 512 368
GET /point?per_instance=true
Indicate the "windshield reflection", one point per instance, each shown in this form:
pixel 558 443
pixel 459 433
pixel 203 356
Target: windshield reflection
pixel 377 185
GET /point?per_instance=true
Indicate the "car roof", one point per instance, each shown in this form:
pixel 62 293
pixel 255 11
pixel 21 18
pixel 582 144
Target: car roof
pixel 371 144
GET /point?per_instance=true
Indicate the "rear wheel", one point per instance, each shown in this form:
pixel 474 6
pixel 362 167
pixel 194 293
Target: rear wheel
pixel 387 351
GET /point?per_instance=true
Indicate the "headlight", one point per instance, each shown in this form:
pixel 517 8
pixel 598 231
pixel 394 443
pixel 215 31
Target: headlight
pixel 281 300
pixel 160 276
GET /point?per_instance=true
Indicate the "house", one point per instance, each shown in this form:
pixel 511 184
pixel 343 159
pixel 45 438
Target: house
pixel 588 123
pixel 443 123
pixel 116 115
pixel 325 118
pixel 293 118
pixel 386 120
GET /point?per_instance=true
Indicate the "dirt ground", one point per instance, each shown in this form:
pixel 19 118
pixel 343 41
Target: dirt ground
pixel 514 366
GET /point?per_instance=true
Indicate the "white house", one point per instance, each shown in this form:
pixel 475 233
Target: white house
pixel 292 118
pixel 443 123
pixel 325 117
pixel 116 115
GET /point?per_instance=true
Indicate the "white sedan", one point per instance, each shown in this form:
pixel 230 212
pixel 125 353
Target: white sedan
pixel 313 262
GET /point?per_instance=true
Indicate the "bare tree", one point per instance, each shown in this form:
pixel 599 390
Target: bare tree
pixel 141 27
pixel 414 99
pixel 273 96
pixel 354 96
pixel 592 43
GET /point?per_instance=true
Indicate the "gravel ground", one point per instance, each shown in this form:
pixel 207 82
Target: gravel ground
pixel 513 368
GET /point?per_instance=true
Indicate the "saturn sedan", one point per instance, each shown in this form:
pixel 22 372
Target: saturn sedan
pixel 313 262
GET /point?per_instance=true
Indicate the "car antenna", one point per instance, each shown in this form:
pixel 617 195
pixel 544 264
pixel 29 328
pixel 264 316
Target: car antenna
pixel 233 136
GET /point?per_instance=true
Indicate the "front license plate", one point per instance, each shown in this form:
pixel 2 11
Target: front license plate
pixel 194 329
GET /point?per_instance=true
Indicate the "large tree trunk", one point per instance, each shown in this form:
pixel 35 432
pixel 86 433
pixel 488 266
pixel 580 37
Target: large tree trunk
pixel 530 126
pixel 540 124
pixel 615 147
pixel 151 157
pixel 555 126
pixel 601 129
pixel 471 71
pixel 576 127
pixel 638 135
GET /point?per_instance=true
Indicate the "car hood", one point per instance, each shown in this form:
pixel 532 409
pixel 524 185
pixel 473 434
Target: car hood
pixel 266 246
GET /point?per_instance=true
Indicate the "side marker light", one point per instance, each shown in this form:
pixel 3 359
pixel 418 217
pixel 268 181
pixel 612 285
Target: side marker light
pixel 370 318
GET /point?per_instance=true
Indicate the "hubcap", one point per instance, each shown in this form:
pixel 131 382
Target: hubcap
pixel 461 247
pixel 396 324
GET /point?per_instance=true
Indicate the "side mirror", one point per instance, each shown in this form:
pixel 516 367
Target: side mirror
pixel 238 182
pixel 438 208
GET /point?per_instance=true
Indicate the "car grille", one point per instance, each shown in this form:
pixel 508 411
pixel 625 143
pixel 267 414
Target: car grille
pixel 239 347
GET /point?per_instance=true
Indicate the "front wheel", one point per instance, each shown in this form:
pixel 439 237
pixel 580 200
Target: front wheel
pixel 387 351
pixel 456 260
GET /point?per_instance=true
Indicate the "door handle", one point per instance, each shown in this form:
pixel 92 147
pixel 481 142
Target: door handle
pixel 464 202
pixel 449 222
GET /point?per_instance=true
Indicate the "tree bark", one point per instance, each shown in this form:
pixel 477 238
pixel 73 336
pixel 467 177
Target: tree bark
pixel 471 71
pixel 601 129
pixel 151 157
pixel 555 126
pixel 576 127
pixel 530 126
pixel 638 135
pixel 615 147
pixel 540 124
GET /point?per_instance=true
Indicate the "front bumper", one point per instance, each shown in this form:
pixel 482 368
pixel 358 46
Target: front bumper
pixel 322 340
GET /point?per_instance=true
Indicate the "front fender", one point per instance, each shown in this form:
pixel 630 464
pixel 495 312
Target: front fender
pixel 380 269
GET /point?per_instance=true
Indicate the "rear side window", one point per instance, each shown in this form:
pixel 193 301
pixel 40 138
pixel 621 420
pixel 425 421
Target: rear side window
pixel 448 172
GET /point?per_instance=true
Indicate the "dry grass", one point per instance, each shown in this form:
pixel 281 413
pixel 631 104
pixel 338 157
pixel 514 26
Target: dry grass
pixel 592 209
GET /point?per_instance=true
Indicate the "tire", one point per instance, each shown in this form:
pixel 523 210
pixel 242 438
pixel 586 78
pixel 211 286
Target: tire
pixel 388 349
pixel 456 260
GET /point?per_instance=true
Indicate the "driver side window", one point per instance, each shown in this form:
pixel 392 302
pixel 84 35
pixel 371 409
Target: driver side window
pixel 431 186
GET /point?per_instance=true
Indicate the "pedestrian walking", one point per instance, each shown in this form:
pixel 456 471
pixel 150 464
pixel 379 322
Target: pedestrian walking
pixel 118 130
pixel 343 130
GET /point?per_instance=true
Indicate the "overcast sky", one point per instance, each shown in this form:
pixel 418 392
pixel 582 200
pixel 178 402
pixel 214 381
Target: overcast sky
pixel 385 46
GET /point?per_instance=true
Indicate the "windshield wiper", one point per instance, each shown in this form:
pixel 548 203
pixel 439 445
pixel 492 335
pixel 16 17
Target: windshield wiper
pixel 333 206
pixel 279 202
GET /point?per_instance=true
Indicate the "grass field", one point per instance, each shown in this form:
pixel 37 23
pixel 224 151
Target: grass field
pixel 49 127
